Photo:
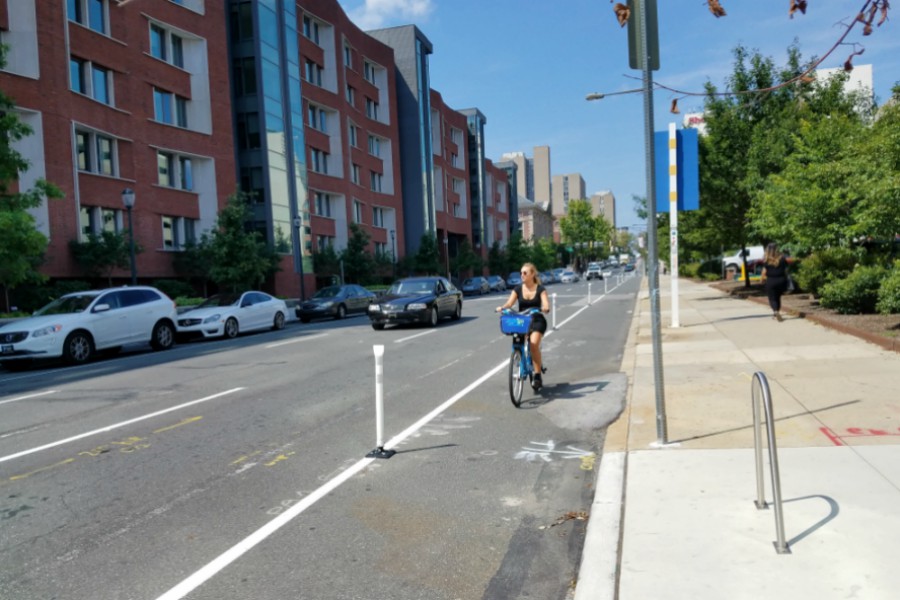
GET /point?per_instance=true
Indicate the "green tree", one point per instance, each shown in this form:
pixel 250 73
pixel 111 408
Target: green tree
pixel 543 255
pixel 517 252
pixel 358 263
pixel 428 260
pixel 194 262
pixel 22 246
pixel 497 261
pixel 100 255
pixel 580 229
pixel 241 259
pixel 326 262
pixel 466 260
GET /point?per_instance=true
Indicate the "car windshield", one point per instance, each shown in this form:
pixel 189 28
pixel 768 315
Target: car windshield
pixel 67 305
pixel 468 281
pixel 406 288
pixel 329 292
pixel 220 300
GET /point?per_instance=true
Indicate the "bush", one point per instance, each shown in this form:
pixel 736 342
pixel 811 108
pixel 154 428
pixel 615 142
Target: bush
pixel 889 292
pixel 858 293
pixel 822 267
pixel 174 288
pixel 29 298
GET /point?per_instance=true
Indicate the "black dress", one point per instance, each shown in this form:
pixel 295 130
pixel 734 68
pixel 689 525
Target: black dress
pixel 776 282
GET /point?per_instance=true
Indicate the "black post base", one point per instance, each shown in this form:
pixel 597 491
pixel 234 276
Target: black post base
pixel 380 452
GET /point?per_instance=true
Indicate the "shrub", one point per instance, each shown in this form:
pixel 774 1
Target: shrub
pixel 822 267
pixel 889 292
pixel 32 297
pixel 174 288
pixel 857 293
pixel 689 269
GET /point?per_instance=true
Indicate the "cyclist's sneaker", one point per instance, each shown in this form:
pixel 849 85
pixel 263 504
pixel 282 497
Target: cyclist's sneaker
pixel 537 383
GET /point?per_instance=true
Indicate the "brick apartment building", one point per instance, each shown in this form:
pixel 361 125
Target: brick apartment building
pixel 122 95
pixel 186 101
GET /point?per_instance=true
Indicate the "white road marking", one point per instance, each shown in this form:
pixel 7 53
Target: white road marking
pixel 117 425
pixel 415 336
pixel 295 340
pixel 39 394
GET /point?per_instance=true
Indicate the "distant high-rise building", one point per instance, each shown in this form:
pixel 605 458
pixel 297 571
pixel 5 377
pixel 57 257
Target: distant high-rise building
pixel 603 204
pixel 532 174
pixel 565 188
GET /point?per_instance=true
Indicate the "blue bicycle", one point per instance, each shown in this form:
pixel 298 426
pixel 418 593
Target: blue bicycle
pixel 520 366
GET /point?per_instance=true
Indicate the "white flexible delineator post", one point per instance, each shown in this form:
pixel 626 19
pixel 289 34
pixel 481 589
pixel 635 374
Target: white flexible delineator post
pixel 553 307
pixel 379 451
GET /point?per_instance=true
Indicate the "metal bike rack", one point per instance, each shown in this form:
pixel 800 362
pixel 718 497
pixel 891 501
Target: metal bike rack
pixel 760 387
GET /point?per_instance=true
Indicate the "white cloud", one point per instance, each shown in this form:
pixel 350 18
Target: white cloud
pixel 374 14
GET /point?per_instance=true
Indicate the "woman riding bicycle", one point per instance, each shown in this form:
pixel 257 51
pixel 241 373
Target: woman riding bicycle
pixel 531 294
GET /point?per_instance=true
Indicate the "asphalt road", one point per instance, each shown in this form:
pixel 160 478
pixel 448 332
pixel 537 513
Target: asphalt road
pixel 237 469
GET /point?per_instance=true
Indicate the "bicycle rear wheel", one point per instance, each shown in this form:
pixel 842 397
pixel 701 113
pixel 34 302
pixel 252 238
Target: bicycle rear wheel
pixel 516 381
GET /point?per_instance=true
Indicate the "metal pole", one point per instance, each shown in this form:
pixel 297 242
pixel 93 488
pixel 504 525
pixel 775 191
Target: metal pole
pixel 131 243
pixel 553 304
pixel 673 221
pixel 652 249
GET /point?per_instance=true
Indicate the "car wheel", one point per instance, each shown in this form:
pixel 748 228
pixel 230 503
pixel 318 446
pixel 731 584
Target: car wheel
pixel 341 312
pixel 377 326
pixel 78 348
pixel 433 317
pixel 279 321
pixel 231 328
pixel 457 312
pixel 163 336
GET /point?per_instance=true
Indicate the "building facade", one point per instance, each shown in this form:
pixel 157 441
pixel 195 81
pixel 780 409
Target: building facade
pixel 603 204
pixel 122 96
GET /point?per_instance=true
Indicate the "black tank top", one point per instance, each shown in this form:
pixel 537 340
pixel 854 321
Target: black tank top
pixel 533 303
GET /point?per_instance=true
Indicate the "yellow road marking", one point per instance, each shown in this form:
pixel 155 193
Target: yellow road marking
pixel 36 471
pixel 243 458
pixel 278 459
pixel 187 421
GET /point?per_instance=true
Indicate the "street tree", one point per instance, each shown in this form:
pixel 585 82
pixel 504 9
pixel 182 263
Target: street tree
pixel 194 262
pixel 358 263
pixel 466 260
pixel 101 254
pixel 241 259
pixel 517 252
pixel 581 229
pixel 22 246
pixel 428 260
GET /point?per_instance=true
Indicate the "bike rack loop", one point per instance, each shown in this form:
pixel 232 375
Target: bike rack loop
pixel 760 387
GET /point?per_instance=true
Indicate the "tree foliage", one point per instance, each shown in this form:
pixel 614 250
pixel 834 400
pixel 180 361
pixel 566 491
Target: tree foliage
pixel 101 254
pixel 358 263
pixel 427 261
pixel 240 258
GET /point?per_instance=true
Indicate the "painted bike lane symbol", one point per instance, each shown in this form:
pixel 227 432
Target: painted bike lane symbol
pixel 545 451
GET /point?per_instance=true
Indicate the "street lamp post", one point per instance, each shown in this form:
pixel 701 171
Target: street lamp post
pixel 447 252
pixel 128 201
pixel 298 224
pixel 393 256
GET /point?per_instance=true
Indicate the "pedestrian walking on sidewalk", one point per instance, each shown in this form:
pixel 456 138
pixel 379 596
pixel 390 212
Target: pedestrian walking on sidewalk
pixel 776 277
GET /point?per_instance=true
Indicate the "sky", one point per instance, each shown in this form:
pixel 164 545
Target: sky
pixel 527 65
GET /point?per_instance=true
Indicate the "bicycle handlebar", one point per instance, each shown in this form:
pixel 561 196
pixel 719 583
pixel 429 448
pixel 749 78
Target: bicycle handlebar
pixel 530 311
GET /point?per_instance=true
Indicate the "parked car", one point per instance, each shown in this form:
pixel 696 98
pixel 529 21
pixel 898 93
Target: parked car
pixel 569 277
pixel 497 283
pixel 476 285
pixel 557 274
pixel 227 315
pixel 78 325
pixel 335 301
pixel 629 267
pixel 547 278
pixel 417 300
pixel 734 260
pixel 514 279
pixel 594 271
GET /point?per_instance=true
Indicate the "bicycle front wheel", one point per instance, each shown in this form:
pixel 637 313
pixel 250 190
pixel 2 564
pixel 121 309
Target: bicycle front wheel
pixel 516 381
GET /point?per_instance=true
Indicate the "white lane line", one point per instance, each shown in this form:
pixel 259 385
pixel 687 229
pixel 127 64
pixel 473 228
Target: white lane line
pixel 295 340
pixel 415 336
pixel 117 425
pixel 232 554
pixel 39 394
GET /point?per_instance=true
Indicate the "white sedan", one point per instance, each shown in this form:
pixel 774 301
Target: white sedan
pixel 227 315
pixel 569 277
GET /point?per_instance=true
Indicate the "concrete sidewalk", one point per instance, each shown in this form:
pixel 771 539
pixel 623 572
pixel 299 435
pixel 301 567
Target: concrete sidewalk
pixel 678 520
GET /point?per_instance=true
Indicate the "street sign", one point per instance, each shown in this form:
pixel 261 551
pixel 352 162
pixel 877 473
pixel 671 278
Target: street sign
pixel 688 170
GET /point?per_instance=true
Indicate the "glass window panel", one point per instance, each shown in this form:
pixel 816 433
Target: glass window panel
pixel 100 80
pixel 162 104
pixel 108 219
pixel 158 42
pixel 85 219
pixel 168 231
pixel 177 51
pixel 97 15
pixel 76 72
pixel 105 155
pixel 187 174
pixel 74 11
pixel 83 151
pixel 164 168
pixel 181 111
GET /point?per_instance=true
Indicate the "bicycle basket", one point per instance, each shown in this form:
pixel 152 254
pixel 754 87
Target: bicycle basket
pixel 510 324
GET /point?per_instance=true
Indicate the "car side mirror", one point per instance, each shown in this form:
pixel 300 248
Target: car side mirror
pixel 101 308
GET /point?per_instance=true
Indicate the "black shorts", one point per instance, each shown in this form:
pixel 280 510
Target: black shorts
pixel 538 323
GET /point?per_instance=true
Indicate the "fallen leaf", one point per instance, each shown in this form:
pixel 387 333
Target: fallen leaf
pixel 715 8
pixel 797 5
pixel 674 110
pixel 622 13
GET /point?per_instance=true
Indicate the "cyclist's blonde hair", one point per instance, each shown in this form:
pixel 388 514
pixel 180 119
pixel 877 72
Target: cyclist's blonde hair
pixel 537 276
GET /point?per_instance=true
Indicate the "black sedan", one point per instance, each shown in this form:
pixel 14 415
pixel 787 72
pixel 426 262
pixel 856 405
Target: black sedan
pixel 335 301
pixel 417 300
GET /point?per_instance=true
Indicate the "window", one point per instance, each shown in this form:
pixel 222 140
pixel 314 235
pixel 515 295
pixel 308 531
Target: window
pixel 252 184
pixel 90 13
pixel 377 216
pixel 244 72
pixel 169 108
pixel 354 135
pixel 456 136
pixel 314 73
pixel 242 21
pixel 381 249
pixel 374 146
pixel 357 211
pixel 324 242
pixel 375 181
pixel 454 160
pixel 95 220
pixel 248 137
pixel 351 95
pixel 96 153
pixel 311 29
pixel 174 171
pixel 323 204
pixel 168 232
pixel 354 174
pixel 90 79
pixel 177 232
pixel 318 160
pixel 369 72
pixel 457 185
pixel 166 46
pixel 371 109
pixel 318 118
pixel 348 57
